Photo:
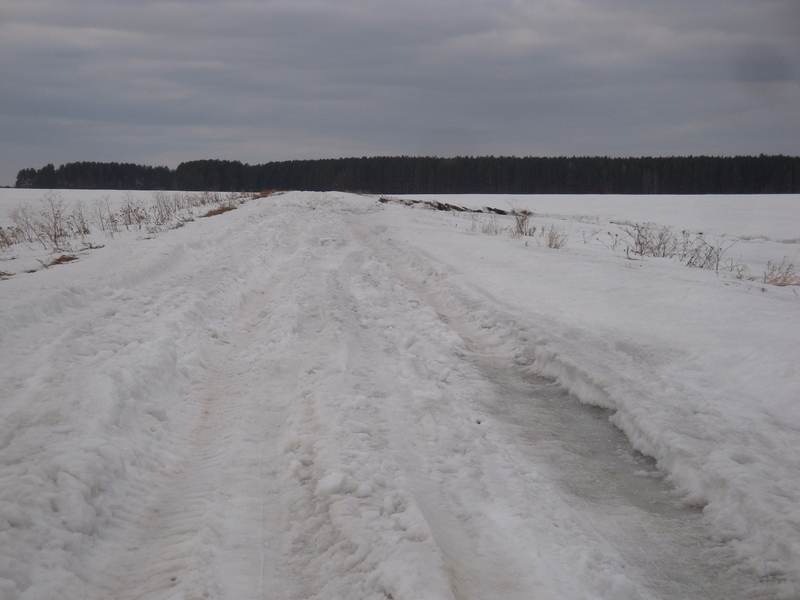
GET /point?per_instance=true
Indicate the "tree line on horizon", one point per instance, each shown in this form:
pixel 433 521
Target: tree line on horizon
pixel 763 174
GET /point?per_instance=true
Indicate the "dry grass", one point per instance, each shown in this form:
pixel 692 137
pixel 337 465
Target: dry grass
pixel 60 260
pixel 6 238
pixel 781 274
pixel 554 237
pixel 219 210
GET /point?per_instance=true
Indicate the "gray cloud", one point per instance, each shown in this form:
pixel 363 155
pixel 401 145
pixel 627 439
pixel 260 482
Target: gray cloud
pixel 162 82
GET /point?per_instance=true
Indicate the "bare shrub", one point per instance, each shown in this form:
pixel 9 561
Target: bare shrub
pixel 25 221
pixel 522 224
pixel 132 213
pixel 163 208
pixel 693 250
pixel 51 227
pixel 554 237
pixel 781 274
pixel 102 215
pixel 648 239
pixel 79 220
pixel 182 206
pixel 210 198
pixel 703 253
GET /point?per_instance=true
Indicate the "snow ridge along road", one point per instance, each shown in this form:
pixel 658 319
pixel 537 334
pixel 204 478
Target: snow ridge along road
pixel 287 401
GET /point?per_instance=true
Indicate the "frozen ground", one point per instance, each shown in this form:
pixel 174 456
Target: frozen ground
pixel 321 396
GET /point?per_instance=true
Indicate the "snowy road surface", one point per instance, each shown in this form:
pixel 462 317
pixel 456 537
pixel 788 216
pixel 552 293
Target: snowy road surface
pixel 317 396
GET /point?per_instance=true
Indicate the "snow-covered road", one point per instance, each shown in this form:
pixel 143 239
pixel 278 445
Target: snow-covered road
pixel 298 400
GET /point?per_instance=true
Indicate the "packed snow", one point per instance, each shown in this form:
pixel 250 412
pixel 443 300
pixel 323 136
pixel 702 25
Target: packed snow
pixel 324 395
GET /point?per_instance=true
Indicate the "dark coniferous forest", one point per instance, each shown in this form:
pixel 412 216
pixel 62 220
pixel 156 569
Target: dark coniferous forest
pixel 430 175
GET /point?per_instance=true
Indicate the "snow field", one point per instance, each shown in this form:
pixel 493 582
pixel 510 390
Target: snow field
pixel 753 229
pixel 315 396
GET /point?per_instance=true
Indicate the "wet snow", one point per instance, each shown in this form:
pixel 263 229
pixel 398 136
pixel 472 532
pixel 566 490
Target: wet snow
pixel 321 396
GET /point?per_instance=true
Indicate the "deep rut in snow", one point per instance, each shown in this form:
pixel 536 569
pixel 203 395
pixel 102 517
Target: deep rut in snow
pixel 625 496
pixel 619 491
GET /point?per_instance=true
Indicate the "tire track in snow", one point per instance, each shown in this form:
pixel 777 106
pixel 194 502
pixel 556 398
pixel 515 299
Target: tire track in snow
pixel 201 531
pixel 671 548
pixel 404 434
pixel 352 529
pixel 493 524
pixel 285 386
pixel 97 372
pixel 186 528
pixel 342 440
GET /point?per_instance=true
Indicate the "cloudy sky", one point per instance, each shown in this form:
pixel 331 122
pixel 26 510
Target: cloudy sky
pixel 157 83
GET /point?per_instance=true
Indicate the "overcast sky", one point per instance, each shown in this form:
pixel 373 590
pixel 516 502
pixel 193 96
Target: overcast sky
pixel 158 83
